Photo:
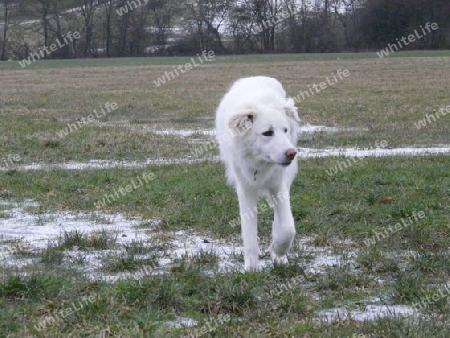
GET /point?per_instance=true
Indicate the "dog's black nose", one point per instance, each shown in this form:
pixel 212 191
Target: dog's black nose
pixel 290 153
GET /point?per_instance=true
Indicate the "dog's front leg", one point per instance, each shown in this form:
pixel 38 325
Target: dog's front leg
pixel 249 227
pixel 283 228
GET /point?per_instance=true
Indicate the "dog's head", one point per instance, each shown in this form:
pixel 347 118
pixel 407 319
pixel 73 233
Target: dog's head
pixel 271 130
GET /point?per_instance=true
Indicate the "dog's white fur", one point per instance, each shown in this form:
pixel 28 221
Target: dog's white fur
pixel 257 164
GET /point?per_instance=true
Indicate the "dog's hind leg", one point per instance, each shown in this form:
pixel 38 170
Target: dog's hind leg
pixel 283 229
pixel 249 226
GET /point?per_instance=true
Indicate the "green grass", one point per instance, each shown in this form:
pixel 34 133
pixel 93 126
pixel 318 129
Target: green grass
pixel 382 97
pixel 128 262
pixel 200 201
pixel 101 241
pixel 252 58
pixel 336 213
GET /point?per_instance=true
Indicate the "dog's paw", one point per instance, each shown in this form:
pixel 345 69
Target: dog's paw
pixel 251 267
pixel 278 260
pixel 251 264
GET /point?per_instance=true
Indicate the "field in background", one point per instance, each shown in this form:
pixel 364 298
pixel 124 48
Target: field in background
pixel 385 96
pixel 348 261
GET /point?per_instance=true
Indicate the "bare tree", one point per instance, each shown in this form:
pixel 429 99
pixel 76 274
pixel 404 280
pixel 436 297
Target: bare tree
pixel 326 31
pixel 266 25
pixel 162 13
pixel 346 12
pixel 267 14
pixel 241 23
pixel 6 17
pixel 140 35
pixel 304 10
pixel 216 18
pixel 43 7
pixel 123 25
pixel 289 25
pixel 69 50
pixel 50 15
pixel 108 6
pixel 206 18
pixel 87 12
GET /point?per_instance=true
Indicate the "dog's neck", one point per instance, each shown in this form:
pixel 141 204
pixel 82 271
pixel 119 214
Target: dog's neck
pixel 258 174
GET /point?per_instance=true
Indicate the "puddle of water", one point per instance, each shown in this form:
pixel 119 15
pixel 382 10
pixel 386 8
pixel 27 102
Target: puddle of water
pixel 192 245
pixel 307 129
pixel 35 231
pixel 303 153
pixel 185 132
pixel 371 312
pixel 311 129
pixel 377 152
pixel 211 132
pixel 106 164
pixel 30 232
pixel 181 322
pixel 322 257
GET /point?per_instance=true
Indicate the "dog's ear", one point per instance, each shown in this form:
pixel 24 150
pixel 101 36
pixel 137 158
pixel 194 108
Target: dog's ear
pixel 291 110
pixel 242 121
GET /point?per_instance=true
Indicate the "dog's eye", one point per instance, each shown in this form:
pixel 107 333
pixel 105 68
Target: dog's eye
pixel 268 133
pixel 285 130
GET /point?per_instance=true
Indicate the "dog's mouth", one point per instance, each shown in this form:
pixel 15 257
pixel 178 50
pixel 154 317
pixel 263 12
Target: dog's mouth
pixel 283 164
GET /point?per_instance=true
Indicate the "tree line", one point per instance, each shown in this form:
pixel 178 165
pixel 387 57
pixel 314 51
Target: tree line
pixel 117 28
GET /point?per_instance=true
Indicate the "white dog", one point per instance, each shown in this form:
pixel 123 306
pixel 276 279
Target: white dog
pixel 256 127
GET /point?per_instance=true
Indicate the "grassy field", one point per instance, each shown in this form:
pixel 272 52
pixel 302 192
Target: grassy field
pixel 381 223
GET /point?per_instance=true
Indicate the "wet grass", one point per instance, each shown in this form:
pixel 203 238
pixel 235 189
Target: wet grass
pixel 128 262
pixel 350 214
pixel 226 59
pixel 102 241
pixel 196 197
pixel 384 97
pixel 328 209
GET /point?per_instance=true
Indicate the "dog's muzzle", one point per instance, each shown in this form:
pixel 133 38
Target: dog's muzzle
pixel 290 155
